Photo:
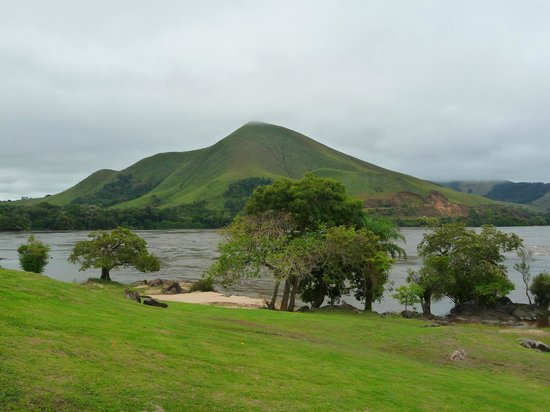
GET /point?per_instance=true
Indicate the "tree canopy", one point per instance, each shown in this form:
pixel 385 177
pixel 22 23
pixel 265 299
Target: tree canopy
pixel 33 255
pixel 465 265
pixel 107 251
pixel 307 233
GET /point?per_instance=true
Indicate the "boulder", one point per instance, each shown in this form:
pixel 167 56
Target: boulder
pixel 533 344
pixel 458 355
pixel 171 287
pixel 156 282
pixel 148 300
pixel 132 294
pixel 304 308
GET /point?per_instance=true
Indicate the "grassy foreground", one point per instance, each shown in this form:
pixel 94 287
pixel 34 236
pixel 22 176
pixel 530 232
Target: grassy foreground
pixel 85 347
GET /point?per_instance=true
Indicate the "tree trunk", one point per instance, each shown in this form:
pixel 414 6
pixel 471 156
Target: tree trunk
pixel 293 296
pixel 105 274
pixel 527 293
pixel 274 296
pixel 286 295
pixel 367 290
pixel 427 304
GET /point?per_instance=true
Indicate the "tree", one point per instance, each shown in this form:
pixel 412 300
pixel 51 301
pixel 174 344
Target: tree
pixel 356 257
pixel 429 282
pixel 119 248
pixel 408 295
pixel 469 265
pixel 540 288
pixel 33 255
pixel 524 268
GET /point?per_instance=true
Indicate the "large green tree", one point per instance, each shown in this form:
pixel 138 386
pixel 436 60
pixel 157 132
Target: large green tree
pixel 290 228
pixel 109 250
pixel 469 265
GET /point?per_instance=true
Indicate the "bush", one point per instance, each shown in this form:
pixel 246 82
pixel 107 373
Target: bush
pixel 540 288
pixel 33 255
pixel 203 285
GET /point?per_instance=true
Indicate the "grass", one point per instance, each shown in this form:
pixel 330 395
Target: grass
pixel 68 347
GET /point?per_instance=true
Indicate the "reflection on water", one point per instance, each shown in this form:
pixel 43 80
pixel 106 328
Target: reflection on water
pixel 185 254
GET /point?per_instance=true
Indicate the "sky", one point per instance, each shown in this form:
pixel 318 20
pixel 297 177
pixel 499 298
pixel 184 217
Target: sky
pixel 441 90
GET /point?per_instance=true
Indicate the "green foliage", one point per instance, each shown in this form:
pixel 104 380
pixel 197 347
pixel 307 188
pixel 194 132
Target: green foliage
pixel 312 202
pixel 203 285
pixel 540 288
pixel 124 188
pixel 120 248
pixel 469 265
pixel 44 216
pixel 408 295
pixel 33 255
pixel 238 193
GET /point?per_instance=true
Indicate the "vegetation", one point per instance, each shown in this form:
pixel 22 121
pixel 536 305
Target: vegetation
pixel 408 295
pixel 307 234
pixel 107 251
pixel 464 265
pixel 69 347
pixel 44 216
pixel 523 267
pixel 540 288
pixel 33 255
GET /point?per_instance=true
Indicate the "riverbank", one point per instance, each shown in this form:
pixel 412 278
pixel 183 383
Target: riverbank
pixel 214 298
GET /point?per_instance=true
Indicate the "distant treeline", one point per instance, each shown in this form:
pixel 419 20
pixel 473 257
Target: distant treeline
pixel 45 216
pixel 489 215
pixel 98 215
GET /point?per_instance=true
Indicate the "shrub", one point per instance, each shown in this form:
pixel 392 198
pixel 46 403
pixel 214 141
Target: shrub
pixel 203 285
pixel 33 255
pixel 540 288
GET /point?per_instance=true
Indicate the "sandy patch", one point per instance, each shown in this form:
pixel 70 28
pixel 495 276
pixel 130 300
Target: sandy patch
pixel 520 331
pixel 214 298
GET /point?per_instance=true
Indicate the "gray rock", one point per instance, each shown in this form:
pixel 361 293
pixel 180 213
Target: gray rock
pixel 132 294
pixel 304 308
pixel 171 287
pixel 148 300
pixel 156 282
pixel 458 355
pixel 533 344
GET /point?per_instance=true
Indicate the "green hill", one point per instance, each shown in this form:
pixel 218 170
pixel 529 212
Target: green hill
pixel 260 150
pixel 71 347
pixel 534 194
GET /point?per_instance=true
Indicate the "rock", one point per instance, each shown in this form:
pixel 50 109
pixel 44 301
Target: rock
pixel 171 287
pixel 132 294
pixel 304 308
pixel 148 300
pixel 156 282
pixel 533 344
pixel 458 355
pixel 525 312
pixel 411 314
pixel 344 306
pixel 505 305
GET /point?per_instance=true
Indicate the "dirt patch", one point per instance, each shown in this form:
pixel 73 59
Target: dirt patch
pixel 215 298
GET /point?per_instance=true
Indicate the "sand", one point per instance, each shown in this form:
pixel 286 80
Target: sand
pixel 214 298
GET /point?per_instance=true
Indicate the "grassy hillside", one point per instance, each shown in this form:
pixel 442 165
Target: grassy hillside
pixel 254 150
pixel 534 194
pixel 68 347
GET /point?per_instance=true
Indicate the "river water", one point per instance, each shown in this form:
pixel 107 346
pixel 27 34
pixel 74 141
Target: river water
pixel 185 254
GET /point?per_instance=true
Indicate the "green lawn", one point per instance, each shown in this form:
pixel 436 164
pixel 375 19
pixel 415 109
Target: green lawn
pixel 85 347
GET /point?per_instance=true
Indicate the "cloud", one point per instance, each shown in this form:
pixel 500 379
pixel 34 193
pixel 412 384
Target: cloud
pixel 439 90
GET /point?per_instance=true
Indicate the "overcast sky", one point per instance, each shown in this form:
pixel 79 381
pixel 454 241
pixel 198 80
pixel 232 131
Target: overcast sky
pixel 437 89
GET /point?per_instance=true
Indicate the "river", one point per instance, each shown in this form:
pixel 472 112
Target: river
pixel 185 254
